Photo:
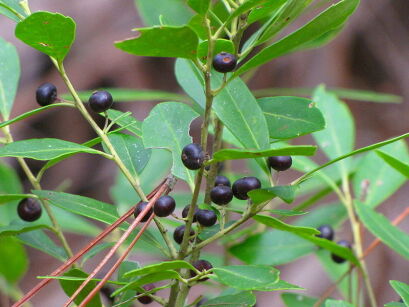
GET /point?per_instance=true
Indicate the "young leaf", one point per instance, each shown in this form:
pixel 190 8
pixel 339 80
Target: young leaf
pixel 291 117
pixel 241 299
pixel 279 225
pixel 70 286
pixel 173 12
pixel 334 303
pixel 382 228
pixel 13 259
pixel 402 289
pixel 199 6
pixel 298 300
pixel 158 267
pixel 163 41
pixel 167 126
pixel 9 77
pixel 397 164
pixel 286 193
pixel 50 33
pixel 43 149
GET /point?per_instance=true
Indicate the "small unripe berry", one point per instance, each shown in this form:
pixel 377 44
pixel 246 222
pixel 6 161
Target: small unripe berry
pixel 201 265
pixel 164 206
pixel 244 185
pixel 100 101
pixel 193 156
pixel 221 195
pixel 326 232
pixel 280 163
pixel 29 210
pixel 206 218
pixel 179 232
pixel 146 299
pixel 139 208
pixel 186 211
pixel 224 62
pixel 46 94
pixel 338 259
pixel 222 180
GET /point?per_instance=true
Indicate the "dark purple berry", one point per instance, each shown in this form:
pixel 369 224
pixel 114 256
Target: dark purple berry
pixel 139 208
pixel 193 156
pixel 46 94
pixel 224 62
pixel 201 302
pixel 179 232
pixel 186 211
pixel 164 206
pixel 206 218
pixel 222 180
pixel 201 265
pixel 326 232
pixel 244 185
pixel 280 163
pixel 221 195
pixel 100 101
pixel 29 210
pixel 146 299
pixel 338 259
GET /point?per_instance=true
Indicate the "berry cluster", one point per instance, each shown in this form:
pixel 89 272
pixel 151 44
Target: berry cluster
pixel 327 232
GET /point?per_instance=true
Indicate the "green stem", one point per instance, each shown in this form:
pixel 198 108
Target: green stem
pixel 168 241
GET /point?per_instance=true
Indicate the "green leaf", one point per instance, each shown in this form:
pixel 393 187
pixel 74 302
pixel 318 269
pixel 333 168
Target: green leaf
pixel 159 267
pixel 241 299
pixel 283 212
pixel 9 77
pixel 334 303
pixel 43 149
pixel 291 117
pixel 127 121
pixel 12 9
pixel 382 228
pixel 18 228
pixel 95 251
pixel 80 205
pixel 173 12
pixel 280 285
pixel 5 198
pixel 131 151
pixel 126 266
pixel 9 184
pixel 234 154
pixel 70 286
pixel 286 193
pixel 199 6
pixel 220 45
pixel 163 41
pixel 298 300
pixel 402 289
pixel 395 304
pixel 50 33
pixel 328 20
pixel 277 224
pixel 167 126
pixel 13 259
pixel 397 164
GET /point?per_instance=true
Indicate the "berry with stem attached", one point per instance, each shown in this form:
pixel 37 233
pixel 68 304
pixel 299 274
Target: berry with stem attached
pixel 206 218
pixel 201 265
pixel 29 210
pixel 46 94
pixel 139 208
pixel 179 232
pixel 280 163
pixel 221 195
pixel 339 259
pixel 164 206
pixel 222 180
pixel 224 62
pixel 146 299
pixel 244 185
pixel 193 156
pixel 100 101
pixel 326 232
pixel 185 212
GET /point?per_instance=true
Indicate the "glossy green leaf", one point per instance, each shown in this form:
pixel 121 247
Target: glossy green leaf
pixel 70 286
pixel 402 289
pixel 38 239
pixel 163 41
pixel 9 77
pixel 172 12
pixel 334 303
pixel 43 149
pixel 131 151
pixel 279 225
pixel 167 126
pixel 241 299
pixel 81 205
pixel 5 198
pixel 128 121
pixel 158 267
pixel 383 229
pixel 286 193
pixel 328 20
pixel 50 33
pixel 13 259
pixel 298 300
pixel 199 6
pixel 397 164
pixel 12 9
pixel 290 117
pixel 220 45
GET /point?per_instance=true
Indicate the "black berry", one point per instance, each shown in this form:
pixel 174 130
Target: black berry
pixel 224 62
pixel 179 232
pixel 201 265
pixel 201 302
pixel 222 180
pixel 244 185
pixel 206 218
pixel 280 163
pixel 29 210
pixel 146 299
pixel 46 94
pixel 221 195
pixel 193 156
pixel 337 258
pixel 100 101
pixel 164 206
pixel 326 232
pixel 139 208
pixel 186 211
